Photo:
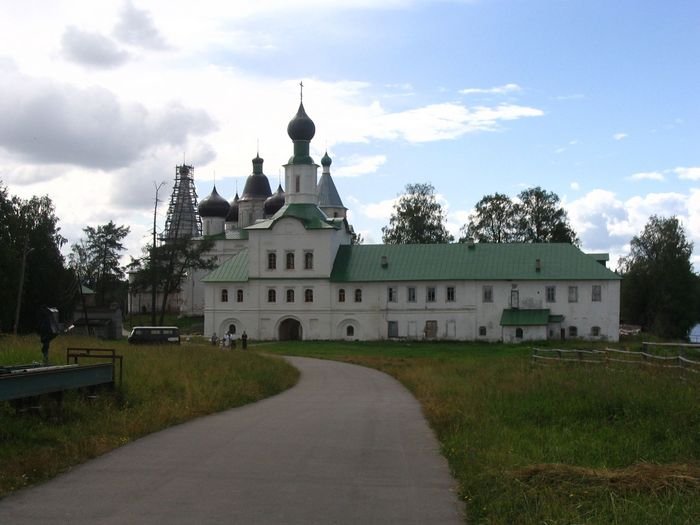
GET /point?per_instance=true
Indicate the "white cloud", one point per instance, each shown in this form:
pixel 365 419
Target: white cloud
pixel 136 27
pixel 647 175
pixel 498 90
pixel 620 136
pixel 356 165
pixel 688 173
pixel 575 186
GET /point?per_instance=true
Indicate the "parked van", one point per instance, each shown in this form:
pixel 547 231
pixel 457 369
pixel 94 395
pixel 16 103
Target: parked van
pixel 154 335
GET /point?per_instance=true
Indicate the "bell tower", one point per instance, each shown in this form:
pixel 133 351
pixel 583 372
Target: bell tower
pixel 300 172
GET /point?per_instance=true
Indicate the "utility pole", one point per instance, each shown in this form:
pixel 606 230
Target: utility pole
pixel 154 271
pixel 25 250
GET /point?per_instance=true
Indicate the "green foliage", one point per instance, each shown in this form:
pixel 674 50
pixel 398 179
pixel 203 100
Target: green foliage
pixel 535 216
pixel 561 444
pixel 96 260
pixel 659 288
pixel 166 266
pixel 417 218
pixel 30 228
pixel 163 386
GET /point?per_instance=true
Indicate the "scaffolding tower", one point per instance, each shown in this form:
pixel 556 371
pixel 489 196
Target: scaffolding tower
pixel 183 221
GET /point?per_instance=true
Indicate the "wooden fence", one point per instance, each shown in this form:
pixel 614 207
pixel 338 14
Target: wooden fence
pixel 614 356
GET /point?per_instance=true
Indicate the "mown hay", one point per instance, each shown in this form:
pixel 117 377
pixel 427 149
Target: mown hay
pixel 647 477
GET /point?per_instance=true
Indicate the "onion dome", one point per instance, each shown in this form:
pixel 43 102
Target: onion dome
pixel 326 160
pixel 301 127
pixel 256 185
pixel 213 206
pixel 233 211
pixel 274 202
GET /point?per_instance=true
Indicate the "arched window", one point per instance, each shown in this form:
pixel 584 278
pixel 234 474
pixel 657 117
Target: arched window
pixel 224 296
pixel 308 260
pixel 518 333
pixel 358 295
pixel 290 296
pixel 290 260
pixel 239 296
pixel 350 331
pixel 341 295
pixel 271 261
pixel 271 295
pixel 308 295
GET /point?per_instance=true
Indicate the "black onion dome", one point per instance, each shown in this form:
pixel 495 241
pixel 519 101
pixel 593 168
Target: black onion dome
pixel 256 185
pixel 301 127
pixel 275 202
pixel 326 160
pixel 233 211
pixel 213 206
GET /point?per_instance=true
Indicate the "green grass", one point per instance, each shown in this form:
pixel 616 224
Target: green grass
pixel 562 444
pixel 163 386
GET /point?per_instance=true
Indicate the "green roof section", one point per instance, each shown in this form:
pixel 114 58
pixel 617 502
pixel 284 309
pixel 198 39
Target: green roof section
pixel 233 270
pixel 478 261
pixel 517 317
pixel 600 257
pixel 310 216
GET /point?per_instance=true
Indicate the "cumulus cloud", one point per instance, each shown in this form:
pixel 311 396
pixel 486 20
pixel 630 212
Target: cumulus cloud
pixel 647 175
pixel 688 173
pixel 498 90
pixel 357 165
pixel 136 27
pixel 91 49
pixel 620 136
pixel 47 122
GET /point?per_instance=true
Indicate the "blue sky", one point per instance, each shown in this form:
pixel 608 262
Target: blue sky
pixel 596 101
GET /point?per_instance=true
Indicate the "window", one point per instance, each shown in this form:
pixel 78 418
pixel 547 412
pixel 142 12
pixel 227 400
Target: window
pixel 290 296
pixel 411 294
pixel 239 296
pixel 341 295
pixel 308 261
pixel 551 294
pixel 224 296
pixel 297 184
pixel 573 331
pixel 271 260
pixel 514 299
pixel 232 329
pixel 518 333
pixel 358 295
pixel 482 331
pixel 430 330
pixel 272 295
pixel 350 331
pixel 450 294
pixel 573 294
pixel 430 294
pixel 393 329
pixel 290 260
pixel 596 294
pixel 308 295
pixel 391 294
pixel 595 331
pixel 487 294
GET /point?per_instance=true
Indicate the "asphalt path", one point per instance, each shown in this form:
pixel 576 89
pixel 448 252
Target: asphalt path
pixel 347 444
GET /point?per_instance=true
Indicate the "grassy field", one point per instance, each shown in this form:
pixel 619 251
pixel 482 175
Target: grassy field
pixel 562 444
pixel 163 386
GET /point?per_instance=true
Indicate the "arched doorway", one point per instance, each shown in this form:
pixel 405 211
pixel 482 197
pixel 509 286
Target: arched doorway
pixel 290 330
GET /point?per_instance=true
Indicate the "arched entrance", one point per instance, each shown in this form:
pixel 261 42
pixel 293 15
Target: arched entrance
pixel 290 330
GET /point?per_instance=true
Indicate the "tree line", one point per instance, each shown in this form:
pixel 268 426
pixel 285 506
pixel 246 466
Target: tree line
pixel 659 291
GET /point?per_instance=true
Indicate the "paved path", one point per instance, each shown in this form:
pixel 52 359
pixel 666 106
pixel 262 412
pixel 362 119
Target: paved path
pixel 346 445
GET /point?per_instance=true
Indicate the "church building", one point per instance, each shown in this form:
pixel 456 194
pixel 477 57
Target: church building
pixel 287 269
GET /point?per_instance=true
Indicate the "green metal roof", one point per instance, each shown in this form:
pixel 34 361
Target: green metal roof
pixel 517 317
pixel 480 261
pixel 233 270
pixel 310 216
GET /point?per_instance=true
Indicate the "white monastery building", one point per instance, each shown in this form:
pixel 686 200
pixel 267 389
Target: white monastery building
pixel 287 269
